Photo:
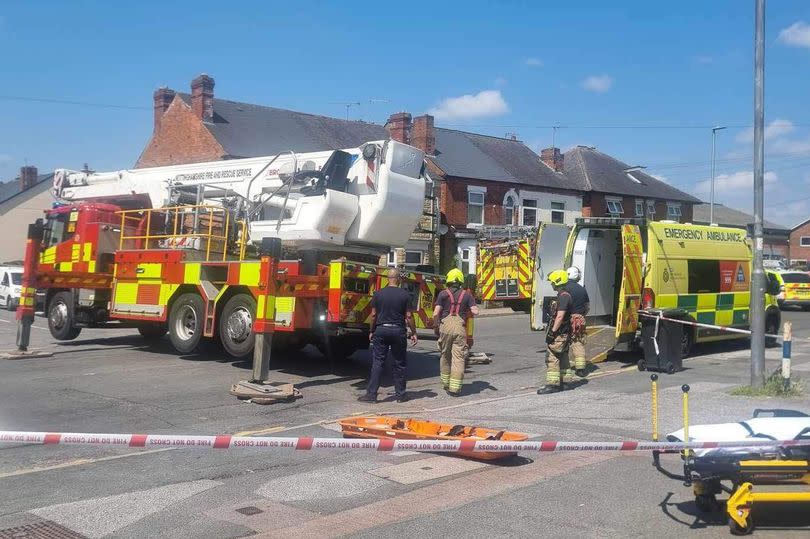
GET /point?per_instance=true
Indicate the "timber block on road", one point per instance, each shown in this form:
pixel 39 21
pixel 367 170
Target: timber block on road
pixel 28 354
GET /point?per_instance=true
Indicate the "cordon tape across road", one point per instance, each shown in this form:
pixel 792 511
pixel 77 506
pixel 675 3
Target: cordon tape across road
pixel 307 443
pixel 728 329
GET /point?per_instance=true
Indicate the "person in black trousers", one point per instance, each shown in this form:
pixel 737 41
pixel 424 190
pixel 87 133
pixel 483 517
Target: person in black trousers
pixel 391 323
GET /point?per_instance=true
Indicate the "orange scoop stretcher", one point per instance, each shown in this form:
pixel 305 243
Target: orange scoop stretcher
pixel 394 428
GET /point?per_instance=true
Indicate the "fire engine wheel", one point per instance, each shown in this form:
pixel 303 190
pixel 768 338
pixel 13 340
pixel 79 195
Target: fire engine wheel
pixel 236 326
pixel 186 323
pixel 61 318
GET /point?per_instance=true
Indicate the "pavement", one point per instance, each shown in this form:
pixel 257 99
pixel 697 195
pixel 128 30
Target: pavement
pixel 111 381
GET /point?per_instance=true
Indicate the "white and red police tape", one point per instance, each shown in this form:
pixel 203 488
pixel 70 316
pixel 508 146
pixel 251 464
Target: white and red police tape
pixel 306 443
pixel 658 316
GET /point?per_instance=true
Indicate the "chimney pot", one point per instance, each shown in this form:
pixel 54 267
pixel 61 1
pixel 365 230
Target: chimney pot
pixel 399 127
pixel 553 158
pixel 202 97
pixel 28 177
pixel 162 99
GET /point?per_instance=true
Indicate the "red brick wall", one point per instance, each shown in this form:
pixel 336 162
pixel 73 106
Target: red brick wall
pixel 797 252
pixel 179 138
pixel 453 201
pixel 595 205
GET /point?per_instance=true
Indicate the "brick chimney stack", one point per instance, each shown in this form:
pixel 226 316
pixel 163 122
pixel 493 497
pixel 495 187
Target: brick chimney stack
pixel 422 135
pixel 28 177
pixel 162 98
pixel 553 158
pixel 399 126
pixel 202 97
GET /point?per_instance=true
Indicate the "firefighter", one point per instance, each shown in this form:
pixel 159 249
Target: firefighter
pixel 579 308
pixel 558 334
pixel 453 304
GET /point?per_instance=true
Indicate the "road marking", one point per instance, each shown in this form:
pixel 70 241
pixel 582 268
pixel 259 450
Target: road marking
pixel 81 462
pixel 259 432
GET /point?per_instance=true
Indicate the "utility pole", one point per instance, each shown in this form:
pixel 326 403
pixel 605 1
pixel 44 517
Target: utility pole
pixel 711 197
pixel 758 280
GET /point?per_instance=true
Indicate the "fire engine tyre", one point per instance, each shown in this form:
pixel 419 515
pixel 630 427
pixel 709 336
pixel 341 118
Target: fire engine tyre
pixel 236 326
pixel 186 320
pixel 61 317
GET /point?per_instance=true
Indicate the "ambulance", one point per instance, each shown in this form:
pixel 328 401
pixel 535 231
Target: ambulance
pixel 632 264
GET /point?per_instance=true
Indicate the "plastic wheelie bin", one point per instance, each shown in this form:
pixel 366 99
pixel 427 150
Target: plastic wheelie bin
pixel 668 357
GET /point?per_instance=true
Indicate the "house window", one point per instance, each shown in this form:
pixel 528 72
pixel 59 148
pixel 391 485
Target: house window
pixel 558 212
pixel 413 258
pixel 804 241
pixel 640 208
pixel 475 208
pixel 509 209
pixel 651 209
pixel 465 261
pixel 529 212
pixel 674 211
pixel 614 207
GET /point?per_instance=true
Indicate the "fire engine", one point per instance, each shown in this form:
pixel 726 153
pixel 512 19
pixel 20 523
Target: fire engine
pixel 286 245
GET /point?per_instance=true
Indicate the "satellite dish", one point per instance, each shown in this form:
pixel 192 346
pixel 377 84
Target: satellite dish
pixel 443 230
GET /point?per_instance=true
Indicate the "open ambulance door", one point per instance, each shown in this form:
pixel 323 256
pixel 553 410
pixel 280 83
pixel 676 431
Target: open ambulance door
pixel 630 291
pixel 549 255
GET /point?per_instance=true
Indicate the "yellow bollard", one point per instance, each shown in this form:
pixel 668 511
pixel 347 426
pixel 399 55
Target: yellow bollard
pixel 685 389
pixel 654 394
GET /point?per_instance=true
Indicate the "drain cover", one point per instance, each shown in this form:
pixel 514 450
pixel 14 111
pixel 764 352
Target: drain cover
pixel 40 530
pixel 250 510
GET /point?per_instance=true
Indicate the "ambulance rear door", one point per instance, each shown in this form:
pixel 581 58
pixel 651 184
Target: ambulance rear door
pixel 630 290
pixel 549 255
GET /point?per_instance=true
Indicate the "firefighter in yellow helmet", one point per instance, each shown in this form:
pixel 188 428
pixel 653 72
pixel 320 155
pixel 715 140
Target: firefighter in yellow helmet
pixel 558 334
pixel 453 305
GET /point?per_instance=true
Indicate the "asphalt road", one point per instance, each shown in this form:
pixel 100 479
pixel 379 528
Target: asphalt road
pixel 111 381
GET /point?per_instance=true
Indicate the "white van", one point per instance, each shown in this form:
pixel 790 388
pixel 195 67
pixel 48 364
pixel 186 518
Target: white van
pixel 10 285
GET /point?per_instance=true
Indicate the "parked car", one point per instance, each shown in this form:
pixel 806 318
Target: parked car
pixel 795 289
pixel 10 286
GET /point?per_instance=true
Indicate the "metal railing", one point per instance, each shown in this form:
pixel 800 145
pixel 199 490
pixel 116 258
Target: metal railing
pixel 167 228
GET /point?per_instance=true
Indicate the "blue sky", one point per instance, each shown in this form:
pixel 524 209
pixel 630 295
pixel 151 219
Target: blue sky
pixel 522 66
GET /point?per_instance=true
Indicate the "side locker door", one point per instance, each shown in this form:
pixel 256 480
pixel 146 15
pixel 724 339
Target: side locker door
pixel 549 255
pixel 485 273
pixel 630 291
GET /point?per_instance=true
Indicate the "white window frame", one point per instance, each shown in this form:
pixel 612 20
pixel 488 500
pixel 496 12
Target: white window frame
pixel 674 211
pixel 617 202
pixel 651 211
pixel 639 204
pixel 802 243
pixel 560 211
pixel 510 196
pixel 475 189
pixel 535 209
pixel 465 260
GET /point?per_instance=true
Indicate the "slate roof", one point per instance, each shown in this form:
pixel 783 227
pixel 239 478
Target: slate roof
pixel 246 130
pixel 470 155
pixel 11 188
pixel 725 216
pixel 602 173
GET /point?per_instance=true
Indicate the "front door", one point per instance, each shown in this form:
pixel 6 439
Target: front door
pixel 549 255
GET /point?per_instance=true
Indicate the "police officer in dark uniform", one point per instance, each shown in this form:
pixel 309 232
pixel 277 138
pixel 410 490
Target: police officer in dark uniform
pixel 391 324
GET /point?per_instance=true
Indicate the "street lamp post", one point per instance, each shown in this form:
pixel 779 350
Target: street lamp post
pixel 711 196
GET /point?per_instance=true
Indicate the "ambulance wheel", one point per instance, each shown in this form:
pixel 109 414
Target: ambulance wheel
pixel 236 326
pixel 61 317
pixel 152 332
pixel 186 320
pixel 736 529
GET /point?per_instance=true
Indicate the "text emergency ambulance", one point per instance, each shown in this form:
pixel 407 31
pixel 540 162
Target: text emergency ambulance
pixel 628 264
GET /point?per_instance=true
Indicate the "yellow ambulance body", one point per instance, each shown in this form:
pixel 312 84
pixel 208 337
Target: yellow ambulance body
pixel 628 264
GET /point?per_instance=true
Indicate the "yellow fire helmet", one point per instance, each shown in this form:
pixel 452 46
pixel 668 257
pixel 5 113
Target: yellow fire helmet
pixel 558 277
pixel 455 276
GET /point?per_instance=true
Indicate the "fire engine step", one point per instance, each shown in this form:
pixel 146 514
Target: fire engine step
pixel 600 340
pixel 28 354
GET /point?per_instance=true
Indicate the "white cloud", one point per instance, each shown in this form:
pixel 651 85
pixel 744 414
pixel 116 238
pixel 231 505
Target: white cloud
pixel 704 59
pixel 777 128
pixel 598 83
pixel 796 35
pixel 534 62
pixel 734 183
pixel 500 81
pixel 484 104
pixel 789 146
